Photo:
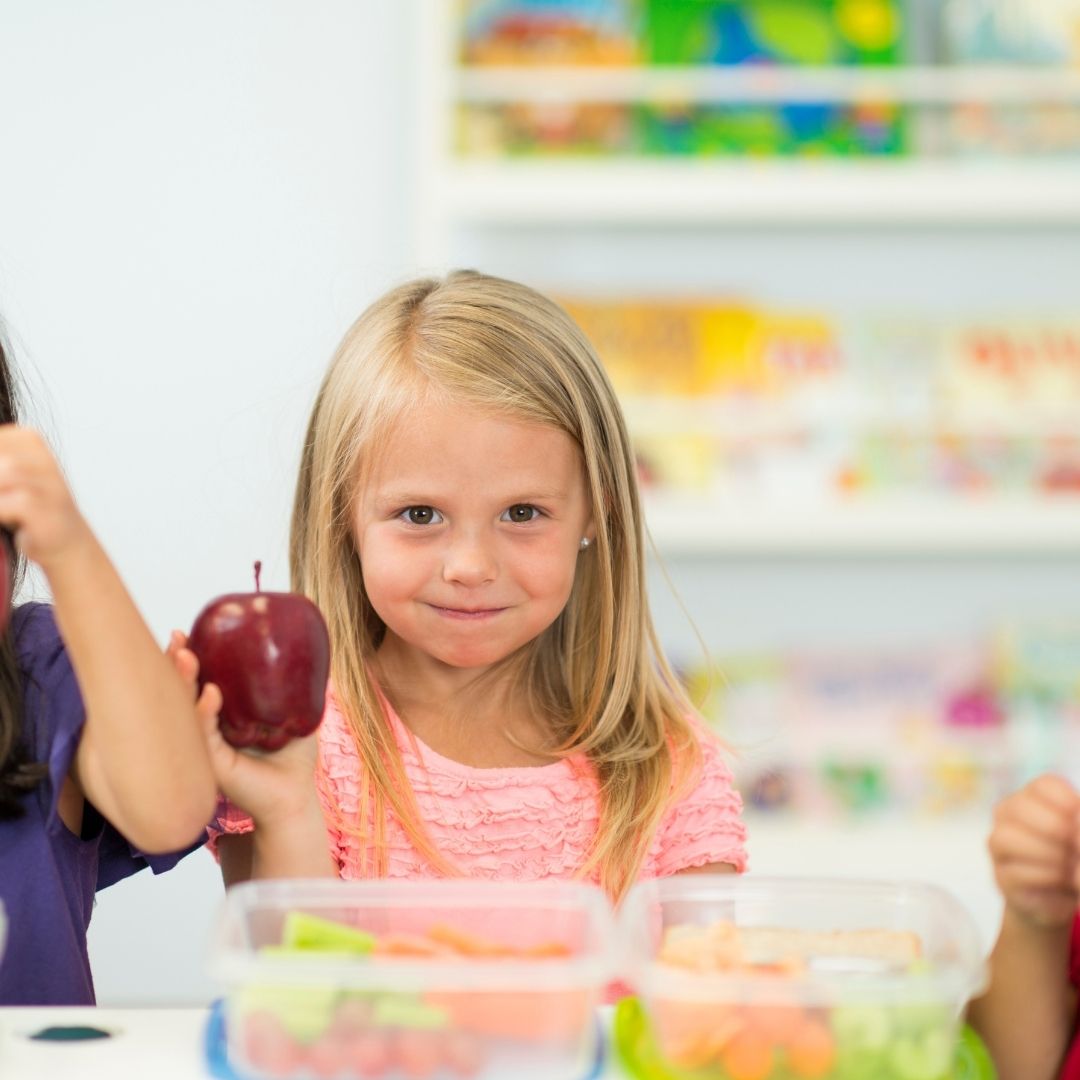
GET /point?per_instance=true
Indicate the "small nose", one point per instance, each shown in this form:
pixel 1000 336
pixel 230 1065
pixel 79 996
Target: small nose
pixel 469 561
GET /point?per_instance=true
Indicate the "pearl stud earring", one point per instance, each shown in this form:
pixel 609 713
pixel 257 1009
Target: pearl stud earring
pixel 584 542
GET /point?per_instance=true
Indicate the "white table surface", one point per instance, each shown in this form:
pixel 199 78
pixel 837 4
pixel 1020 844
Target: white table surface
pixel 165 1044
pixel 147 1044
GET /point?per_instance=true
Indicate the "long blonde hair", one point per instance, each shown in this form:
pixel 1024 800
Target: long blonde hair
pixel 598 672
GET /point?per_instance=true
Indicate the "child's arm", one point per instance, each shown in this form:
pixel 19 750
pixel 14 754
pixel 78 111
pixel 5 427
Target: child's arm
pixel 142 761
pixel 1027 1015
pixel 278 791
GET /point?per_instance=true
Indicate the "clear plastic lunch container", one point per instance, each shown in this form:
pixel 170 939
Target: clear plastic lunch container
pixel 396 980
pixel 759 978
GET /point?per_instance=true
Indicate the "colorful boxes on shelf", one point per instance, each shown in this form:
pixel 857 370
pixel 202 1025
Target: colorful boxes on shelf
pixel 832 734
pixel 525 32
pixel 685 129
pixel 870 115
pixel 682 32
pixel 741 401
pixel 766 129
pixel 1007 32
pixel 811 32
pixel 674 32
pixel 942 729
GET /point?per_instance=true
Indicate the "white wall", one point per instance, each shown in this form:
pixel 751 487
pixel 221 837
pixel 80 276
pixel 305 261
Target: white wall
pixel 195 201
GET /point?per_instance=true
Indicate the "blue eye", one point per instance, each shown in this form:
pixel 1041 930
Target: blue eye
pixel 421 515
pixel 520 513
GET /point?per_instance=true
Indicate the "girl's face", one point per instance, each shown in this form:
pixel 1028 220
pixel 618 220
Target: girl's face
pixel 469 531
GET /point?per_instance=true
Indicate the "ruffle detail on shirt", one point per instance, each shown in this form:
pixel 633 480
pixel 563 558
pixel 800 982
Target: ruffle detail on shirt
pixel 230 819
pixel 517 823
pixel 699 836
pixel 521 823
pixel 706 825
pixel 527 846
pixel 227 820
pixel 337 780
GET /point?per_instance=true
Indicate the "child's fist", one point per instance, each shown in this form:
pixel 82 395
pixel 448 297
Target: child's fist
pixel 1033 843
pixel 35 503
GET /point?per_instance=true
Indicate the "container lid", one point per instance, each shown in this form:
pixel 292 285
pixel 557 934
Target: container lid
pixel 575 916
pixel 886 941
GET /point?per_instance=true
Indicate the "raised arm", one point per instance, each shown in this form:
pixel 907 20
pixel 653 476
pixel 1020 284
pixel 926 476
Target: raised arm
pixel 1027 1015
pixel 142 759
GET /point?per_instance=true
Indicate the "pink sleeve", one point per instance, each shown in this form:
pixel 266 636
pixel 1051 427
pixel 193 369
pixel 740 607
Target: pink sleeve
pixel 227 819
pixel 705 825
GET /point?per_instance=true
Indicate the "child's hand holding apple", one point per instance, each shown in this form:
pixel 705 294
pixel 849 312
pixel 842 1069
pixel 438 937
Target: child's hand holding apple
pixel 269 655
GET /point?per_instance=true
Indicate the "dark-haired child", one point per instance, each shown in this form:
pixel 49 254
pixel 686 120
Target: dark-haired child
pixel 103 761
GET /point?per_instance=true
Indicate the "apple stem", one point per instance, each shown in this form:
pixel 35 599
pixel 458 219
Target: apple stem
pixel 258 574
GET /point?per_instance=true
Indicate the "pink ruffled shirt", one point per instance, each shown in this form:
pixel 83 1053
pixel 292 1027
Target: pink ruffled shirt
pixel 524 823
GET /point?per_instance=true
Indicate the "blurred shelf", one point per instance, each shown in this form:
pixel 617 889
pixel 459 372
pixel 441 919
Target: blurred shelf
pixel 536 192
pixel 964 525
pixel 782 843
pixel 719 84
pixel 757 417
pixel 695 192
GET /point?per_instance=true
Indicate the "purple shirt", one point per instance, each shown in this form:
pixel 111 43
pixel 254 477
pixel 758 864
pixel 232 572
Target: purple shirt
pixel 48 875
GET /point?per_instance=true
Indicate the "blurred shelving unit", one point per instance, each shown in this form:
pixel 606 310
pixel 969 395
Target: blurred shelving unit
pixel 455 192
pixel 778 191
pixel 683 525
pixel 786 570
pixel 694 191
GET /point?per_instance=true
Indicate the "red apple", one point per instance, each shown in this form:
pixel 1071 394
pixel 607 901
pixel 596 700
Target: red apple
pixel 269 653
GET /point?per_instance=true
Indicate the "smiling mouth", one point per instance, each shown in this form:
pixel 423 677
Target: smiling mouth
pixel 466 613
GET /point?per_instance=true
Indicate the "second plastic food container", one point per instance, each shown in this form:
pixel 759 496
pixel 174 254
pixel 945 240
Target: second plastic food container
pixel 769 978
pixel 393 980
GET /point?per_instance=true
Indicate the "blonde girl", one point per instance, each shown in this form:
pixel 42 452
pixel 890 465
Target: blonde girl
pixel 468 520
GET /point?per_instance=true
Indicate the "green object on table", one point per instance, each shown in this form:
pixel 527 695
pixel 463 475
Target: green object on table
pixel 972 1058
pixel 640 1058
pixel 312 933
pixel 304 1011
pixel 76 1033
